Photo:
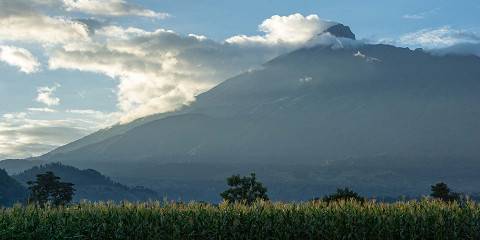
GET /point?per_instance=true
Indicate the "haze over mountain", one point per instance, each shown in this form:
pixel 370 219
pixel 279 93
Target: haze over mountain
pixel 11 191
pixel 89 184
pixel 342 113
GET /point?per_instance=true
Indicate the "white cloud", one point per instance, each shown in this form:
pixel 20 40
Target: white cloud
pixel 439 38
pixel 45 95
pixel 161 70
pixel 111 8
pixel 27 134
pixel 20 58
pixel 18 22
pixel 294 29
pixel 45 110
pixel 158 71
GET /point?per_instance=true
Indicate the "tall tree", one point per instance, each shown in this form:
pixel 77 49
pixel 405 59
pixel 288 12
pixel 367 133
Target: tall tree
pixel 244 189
pixel 442 191
pixel 48 189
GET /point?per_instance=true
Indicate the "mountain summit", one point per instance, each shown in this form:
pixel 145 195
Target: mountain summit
pixel 314 119
pixel 341 31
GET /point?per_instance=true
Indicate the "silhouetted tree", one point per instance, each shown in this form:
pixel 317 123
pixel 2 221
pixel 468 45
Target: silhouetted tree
pixel 244 189
pixel 344 194
pixel 442 192
pixel 48 189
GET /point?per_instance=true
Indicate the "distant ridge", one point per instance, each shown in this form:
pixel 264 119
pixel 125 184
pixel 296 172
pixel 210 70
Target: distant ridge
pixel 90 184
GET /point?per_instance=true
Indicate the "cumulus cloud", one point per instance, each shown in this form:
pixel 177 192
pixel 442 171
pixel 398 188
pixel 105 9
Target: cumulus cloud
pixel 294 29
pixel 19 57
pixel 19 22
pixel 45 95
pixel 160 70
pixel 111 8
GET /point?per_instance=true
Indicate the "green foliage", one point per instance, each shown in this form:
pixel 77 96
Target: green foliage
pixel 261 220
pixel 244 189
pixel 48 189
pixel 442 191
pixel 345 194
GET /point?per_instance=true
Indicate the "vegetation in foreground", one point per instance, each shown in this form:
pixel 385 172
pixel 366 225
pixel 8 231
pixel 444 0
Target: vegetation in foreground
pixel 261 220
pixel 245 214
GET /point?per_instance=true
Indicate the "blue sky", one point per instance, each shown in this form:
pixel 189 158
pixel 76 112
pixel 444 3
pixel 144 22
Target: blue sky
pixel 70 67
pixel 221 19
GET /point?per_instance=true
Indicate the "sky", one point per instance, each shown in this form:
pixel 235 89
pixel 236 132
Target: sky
pixel 71 67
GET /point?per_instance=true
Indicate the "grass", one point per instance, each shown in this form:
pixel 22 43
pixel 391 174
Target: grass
pixel 263 220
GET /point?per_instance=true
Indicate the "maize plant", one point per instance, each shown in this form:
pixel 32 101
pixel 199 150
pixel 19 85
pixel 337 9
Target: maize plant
pixel 261 220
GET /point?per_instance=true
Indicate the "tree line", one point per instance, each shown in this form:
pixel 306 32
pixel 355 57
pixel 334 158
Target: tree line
pixel 48 189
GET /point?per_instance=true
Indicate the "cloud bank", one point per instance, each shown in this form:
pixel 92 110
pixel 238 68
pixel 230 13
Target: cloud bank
pixel 439 37
pixel 440 41
pixel 160 71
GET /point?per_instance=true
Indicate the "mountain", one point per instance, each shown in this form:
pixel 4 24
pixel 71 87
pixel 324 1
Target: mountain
pixel 89 184
pixel 341 31
pixel 15 166
pixel 11 191
pixel 382 119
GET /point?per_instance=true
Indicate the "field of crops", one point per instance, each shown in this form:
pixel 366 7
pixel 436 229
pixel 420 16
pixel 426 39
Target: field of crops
pixel 345 220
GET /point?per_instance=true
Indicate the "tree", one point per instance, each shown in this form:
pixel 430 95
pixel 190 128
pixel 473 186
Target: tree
pixel 442 192
pixel 48 189
pixel 244 189
pixel 345 195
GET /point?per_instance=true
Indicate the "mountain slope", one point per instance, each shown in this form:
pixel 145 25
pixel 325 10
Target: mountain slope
pixel 89 184
pixel 373 114
pixel 11 191
pixel 319 104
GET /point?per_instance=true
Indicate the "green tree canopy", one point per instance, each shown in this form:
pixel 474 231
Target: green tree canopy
pixel 244 189
pixel 343 194
pixel 48 189
pixel 442 191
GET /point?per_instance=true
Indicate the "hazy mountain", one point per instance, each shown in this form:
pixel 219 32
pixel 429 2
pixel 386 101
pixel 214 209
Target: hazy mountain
pixel 384 119
pixel 318 104
pixel 11 191
pixel 89 184
pixel 14 166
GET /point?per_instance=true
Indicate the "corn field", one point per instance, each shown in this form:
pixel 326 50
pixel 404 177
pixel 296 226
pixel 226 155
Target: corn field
pixel 263 220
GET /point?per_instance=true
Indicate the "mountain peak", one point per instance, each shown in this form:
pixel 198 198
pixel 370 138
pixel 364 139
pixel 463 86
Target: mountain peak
pixel 340 30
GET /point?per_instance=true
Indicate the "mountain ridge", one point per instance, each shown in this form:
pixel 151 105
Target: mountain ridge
pixel 321 107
